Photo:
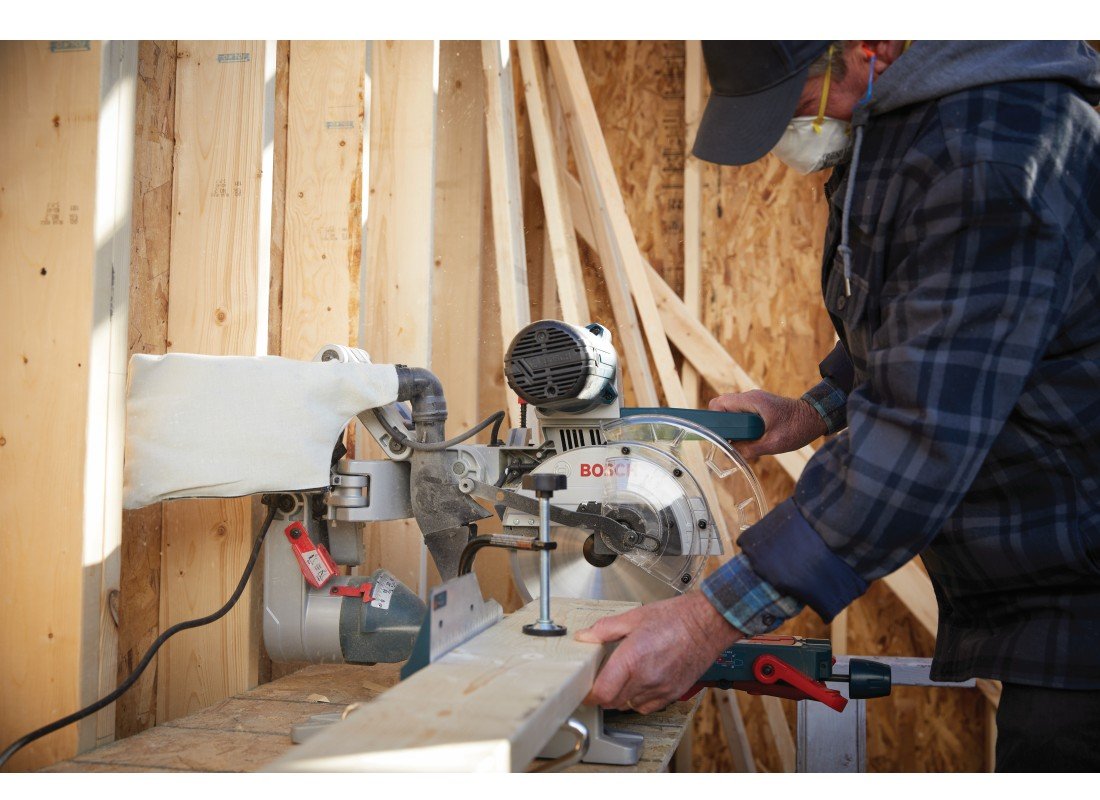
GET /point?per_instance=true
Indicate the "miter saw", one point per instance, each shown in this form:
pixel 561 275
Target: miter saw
pixel 595 501
pixel 650 498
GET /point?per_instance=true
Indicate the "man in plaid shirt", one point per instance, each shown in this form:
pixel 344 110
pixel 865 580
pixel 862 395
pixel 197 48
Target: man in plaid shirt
pixel 962 274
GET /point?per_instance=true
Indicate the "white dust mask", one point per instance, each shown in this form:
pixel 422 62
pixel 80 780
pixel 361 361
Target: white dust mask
pixel 814 143
pixel 809 145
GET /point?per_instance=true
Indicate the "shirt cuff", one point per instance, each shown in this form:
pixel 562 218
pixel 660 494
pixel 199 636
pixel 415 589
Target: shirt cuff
pixel 785 551
pixel 831 402
pixel 748 602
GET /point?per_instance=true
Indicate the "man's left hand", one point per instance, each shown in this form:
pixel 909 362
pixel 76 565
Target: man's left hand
pixel 664 648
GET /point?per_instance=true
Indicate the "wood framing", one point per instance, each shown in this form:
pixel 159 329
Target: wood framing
pixel 49 110
pixel 489 705
pixel 150 246
pixel 695 98
pixel 577 102
pixel 213 309
pixel 459 197
pixel 397 269
pixel 631 345
pixel 107 362
pixel 323 196
pixel 506 199
pixel 733 726
pixel 561 236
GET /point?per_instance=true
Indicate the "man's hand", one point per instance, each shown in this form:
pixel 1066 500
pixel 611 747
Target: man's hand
pixel 789 423
pixel 664 648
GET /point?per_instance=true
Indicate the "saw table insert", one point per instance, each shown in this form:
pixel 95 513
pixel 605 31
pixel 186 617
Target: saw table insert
pixel 491 704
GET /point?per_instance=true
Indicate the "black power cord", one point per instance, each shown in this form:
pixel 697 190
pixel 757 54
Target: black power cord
pixel 103 702
pixel 435 447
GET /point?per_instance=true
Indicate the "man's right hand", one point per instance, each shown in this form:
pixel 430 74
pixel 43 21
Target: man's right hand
pixel 789 423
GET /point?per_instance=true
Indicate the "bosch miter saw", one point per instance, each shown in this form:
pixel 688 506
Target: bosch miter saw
pixel 602 502
pixel 649 498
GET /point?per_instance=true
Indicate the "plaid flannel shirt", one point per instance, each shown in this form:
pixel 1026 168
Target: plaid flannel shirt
pixel 971 391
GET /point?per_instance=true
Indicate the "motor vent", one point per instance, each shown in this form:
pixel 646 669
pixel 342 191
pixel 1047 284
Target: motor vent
pixel 560 367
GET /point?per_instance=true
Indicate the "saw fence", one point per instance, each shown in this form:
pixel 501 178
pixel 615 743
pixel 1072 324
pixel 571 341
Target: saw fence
pixel 421 205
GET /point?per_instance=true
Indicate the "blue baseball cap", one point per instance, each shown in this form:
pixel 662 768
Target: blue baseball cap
pixel 755 87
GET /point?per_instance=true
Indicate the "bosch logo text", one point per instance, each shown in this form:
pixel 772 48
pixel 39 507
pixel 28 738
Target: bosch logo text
pixel 605 470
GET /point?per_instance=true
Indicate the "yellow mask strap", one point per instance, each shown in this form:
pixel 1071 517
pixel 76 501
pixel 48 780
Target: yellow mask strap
pixel 824 93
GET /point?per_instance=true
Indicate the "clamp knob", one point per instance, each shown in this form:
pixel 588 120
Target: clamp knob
pixel 544 484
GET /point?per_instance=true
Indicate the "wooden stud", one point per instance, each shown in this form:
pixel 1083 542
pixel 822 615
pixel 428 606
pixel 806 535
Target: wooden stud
pixel 49 110
pixel 323 195
pixel 511 261
pixel 780 730
pixel 459 190
pixel 695 96
pixel 213 309
pixel 106 370
pixel 489 705
pixel 278 200
pixel 398 268
pixel 139 589
pixel 630 344
pixel 577 102
pixel 559 223
pixel 733 726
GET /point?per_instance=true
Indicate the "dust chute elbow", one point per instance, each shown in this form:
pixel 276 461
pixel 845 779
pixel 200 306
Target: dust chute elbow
pixel 424 392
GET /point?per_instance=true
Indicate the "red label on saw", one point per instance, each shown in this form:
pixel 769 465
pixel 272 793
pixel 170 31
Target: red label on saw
pixel 314 560
pixel 598 470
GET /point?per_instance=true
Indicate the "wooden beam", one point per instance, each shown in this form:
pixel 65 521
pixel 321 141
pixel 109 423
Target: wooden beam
pixel 398 267
pixel 459 196
pixel 323 196
pixel 106 369
pixel 695 97
pixel 507 199
pixel 733 726
pixel 577 101
pixel 552 172
pixel 490 705
pixel 139 590
pixel 213 309
pixel 631 346
pixel 49 110
pixel 780 731
pixel 278 199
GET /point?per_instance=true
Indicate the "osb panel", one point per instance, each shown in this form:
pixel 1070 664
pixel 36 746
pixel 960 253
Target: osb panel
pixel 638 91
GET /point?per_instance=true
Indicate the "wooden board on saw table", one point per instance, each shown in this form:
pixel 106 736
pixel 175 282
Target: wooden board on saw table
pixel 490 704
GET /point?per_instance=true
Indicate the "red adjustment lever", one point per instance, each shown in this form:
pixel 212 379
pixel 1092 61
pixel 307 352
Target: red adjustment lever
pixel 314 560
pixel 768 669
pixel 344 590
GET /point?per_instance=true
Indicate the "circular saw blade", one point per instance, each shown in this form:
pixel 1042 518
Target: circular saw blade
pixel 571 575
pixel 726 493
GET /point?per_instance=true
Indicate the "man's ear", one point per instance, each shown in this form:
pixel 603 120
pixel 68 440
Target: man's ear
pixel 886 52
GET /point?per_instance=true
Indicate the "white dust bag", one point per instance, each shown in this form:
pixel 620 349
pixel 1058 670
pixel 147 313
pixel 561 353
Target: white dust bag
pixel 226 426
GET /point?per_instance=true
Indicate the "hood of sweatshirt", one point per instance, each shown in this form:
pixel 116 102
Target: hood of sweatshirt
pixel 931 69
pixel 928 70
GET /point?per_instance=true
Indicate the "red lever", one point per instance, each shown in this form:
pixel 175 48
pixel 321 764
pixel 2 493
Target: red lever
pixel 316 564
pixel 364 589
pixel 769 670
